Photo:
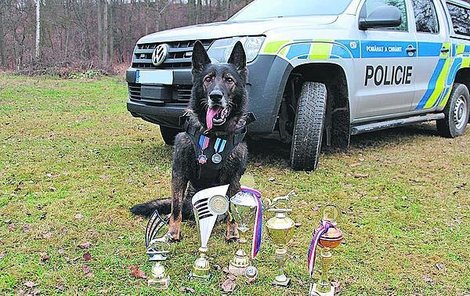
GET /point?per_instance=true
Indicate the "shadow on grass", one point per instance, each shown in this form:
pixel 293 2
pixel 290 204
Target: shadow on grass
pixel 277 154
pixel 392 136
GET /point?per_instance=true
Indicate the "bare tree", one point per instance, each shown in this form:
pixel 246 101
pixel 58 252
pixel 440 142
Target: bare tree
pixel 100 30
pixel 81 34
pixel 38 28
pixel 106 33
pixel 110 32
pixel 2 34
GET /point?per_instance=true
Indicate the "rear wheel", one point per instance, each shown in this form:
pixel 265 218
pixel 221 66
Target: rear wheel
pixel 456 113
pixel 169 134
pixel 308 126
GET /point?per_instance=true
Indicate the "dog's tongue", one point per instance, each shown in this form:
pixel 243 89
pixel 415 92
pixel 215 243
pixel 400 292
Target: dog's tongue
pixel 211 113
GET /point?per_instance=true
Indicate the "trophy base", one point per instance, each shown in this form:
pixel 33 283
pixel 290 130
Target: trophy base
pixel 159 284
pixel 239 263
pixel 237 270
pixel 281 281
pixel 199 276
pixel 201 267
pixel 315 292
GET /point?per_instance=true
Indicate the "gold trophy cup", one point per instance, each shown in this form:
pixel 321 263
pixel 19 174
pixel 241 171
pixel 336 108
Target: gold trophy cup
pixel 280 231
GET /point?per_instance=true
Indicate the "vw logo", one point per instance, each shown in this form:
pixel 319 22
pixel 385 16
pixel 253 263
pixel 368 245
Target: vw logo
pixel 160 54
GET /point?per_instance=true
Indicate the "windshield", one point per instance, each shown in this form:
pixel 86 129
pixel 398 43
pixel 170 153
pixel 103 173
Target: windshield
pixel 263 9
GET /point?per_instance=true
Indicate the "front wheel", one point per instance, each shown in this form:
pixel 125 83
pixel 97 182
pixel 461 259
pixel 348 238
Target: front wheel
pixel 308 126
pixel 168 134
pixel 456 113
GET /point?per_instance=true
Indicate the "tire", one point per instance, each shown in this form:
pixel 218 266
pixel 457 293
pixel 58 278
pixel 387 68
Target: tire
pixel 308 126
pixel 456 113
pixel 168 134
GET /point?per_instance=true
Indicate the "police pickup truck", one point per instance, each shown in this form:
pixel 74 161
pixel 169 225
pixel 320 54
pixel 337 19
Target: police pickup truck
pixel 321 71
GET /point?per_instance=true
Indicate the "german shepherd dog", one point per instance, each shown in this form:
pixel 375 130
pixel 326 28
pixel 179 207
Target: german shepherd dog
pixel 218 108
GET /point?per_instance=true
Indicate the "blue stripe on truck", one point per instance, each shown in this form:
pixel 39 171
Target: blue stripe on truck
pixel 386 49
pixel 429 49
pixel 432 84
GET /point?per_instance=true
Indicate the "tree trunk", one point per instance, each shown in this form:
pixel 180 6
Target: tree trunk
pixel 111 33
pixel 106 33
pixel 100 33
pixel 192 11
pixel 129 40
pixel 2 46
pixel 198 11
pixel 38 28
pixel 227 9
pixel 209 7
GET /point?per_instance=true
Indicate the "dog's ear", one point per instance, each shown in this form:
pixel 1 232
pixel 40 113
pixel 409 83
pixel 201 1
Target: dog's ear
pixel 238 57
pixel 200 57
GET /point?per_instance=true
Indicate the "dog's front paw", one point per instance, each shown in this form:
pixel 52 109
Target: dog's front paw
pixel 174 237
pixel 231 235
pixel 174 231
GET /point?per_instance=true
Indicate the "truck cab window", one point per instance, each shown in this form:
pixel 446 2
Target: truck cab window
pixel 370 5
pixel 460 18
pixel 425 16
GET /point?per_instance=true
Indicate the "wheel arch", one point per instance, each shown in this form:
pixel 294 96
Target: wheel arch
pixel 463 77
pixel 338 113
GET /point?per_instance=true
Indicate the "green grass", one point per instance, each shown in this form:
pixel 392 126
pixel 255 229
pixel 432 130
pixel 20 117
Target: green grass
pixel 69 147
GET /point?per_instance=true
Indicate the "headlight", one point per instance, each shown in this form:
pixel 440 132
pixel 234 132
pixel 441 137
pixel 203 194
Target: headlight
pixel 221 49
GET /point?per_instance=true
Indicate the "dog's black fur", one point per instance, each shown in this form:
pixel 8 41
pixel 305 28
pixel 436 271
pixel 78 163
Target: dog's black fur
pixel 220 86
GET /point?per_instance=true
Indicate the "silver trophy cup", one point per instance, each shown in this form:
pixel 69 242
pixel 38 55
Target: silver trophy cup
pixel 208 204
pixel 243 210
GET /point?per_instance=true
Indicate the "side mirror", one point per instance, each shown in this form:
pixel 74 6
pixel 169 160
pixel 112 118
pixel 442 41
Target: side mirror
pixel 381 17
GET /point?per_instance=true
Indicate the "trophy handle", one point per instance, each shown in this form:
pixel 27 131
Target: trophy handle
pixel 285 198
pixel 330 213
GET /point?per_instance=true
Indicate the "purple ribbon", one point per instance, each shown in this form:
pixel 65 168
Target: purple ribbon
pixel 258 226
pixel 311 255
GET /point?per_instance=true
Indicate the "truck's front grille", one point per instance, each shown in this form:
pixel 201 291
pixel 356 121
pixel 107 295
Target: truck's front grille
pixel 179 54
pixel 134 91
pixel 179 94
pixel 183 93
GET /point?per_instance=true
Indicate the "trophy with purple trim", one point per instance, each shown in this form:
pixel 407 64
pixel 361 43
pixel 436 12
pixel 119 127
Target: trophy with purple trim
pixel 327 236
pixel 208 204
pixel 247 211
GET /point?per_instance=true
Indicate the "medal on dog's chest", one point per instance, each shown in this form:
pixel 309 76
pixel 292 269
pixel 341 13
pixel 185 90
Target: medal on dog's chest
pixel 219 146
pixel 203 144
pixel 202 159
pixel 216 158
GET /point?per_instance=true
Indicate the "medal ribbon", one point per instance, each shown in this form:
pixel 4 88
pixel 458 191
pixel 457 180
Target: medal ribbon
pixel 219 145
pixel 203 142
pixel 258 226
pixel 311 255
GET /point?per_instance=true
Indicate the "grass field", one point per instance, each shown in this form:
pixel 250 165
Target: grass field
pixel 73 160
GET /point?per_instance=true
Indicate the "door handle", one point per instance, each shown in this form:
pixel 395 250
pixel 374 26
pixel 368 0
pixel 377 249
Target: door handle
pixel 444 50
pixel 411 49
